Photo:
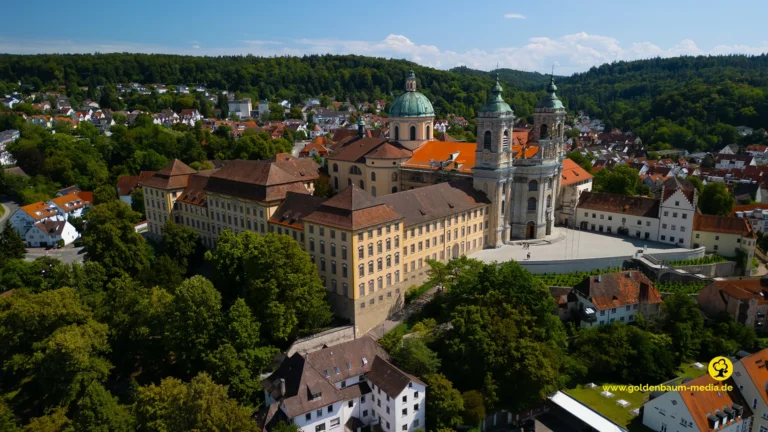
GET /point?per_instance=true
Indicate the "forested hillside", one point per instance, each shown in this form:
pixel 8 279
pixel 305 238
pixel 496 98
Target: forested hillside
pixel 350 77
pixel 522 80
pixel 685 102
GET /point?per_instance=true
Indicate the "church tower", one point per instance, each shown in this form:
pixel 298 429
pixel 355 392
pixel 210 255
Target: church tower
pixel 493 163
pixel 548 121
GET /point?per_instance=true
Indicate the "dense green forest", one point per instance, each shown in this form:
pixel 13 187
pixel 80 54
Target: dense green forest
pixel 521 80
pixel 350 77
pixel 684 102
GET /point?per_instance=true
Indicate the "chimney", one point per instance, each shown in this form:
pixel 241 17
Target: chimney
pixel 645 290
pixel 739 410
pixel 598 278
pixel 282 386
pixel 629 274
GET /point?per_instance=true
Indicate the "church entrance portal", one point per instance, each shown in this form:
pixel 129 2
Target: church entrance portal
pixel 530 230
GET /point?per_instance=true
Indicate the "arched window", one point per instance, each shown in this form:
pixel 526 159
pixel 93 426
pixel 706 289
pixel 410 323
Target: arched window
pixel 413 133
pixel 373 190
pixel 502 207
pixel 531 204
pixel 505 142
pixel 544 132
pixel 335 167
pixel 487 140
pixel 549 184
pixel 560 129
pixel 429 130
pixel 394 189
pixel 394 176
pixel 549 201
pixel 533 186
pixel 354 169
pixel 397 133
pixel 362 185
pixel 373 176
pixel 335 182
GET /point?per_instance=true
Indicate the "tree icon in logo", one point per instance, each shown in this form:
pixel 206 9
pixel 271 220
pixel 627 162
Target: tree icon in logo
pixel 720 368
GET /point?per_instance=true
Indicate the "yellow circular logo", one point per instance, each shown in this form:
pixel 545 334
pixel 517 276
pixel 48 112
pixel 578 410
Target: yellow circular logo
pixel 720 368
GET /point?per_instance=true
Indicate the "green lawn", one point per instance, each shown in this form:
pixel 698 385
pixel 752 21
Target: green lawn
pixel 608 407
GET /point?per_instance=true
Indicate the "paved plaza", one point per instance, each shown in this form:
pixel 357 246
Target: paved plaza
pixel 567 244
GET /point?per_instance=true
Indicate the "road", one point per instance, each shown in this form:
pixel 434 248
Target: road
pixel 10 207
pixel 67 255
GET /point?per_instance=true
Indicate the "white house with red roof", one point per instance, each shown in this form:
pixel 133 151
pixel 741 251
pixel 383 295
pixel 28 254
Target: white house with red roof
pixel 27 216
pixel 750 374
pixel 698 410
pixel 49 232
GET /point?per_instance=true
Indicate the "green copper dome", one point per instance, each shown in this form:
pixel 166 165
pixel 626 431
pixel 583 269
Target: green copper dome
pixel 411 103
pixel 551 101
pixel 496 103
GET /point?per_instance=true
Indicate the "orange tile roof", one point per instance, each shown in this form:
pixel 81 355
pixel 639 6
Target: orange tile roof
pixel 319 147
pixel 573 173
pixel 755 365
pixel 39 210
pixel 74 201
pixel 743 289
pixel 441 151
pixel 701 403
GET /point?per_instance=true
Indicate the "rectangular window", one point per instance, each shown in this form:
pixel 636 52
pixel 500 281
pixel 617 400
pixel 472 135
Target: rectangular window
pixel 335 422
pixel 320 427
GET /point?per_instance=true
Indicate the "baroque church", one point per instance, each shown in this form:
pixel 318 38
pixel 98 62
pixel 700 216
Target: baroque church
pixel 518 170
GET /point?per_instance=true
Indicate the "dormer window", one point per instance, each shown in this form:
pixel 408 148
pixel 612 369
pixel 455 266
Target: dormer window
pixel 326 373
pixel 317 395
pixel 336 369
pixel 365 361
pixel 349 366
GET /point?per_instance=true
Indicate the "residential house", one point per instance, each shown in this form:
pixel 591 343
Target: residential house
pixel 746 300
pixel 263 108
pixel 26 216
pixel 750 375
pixel 316 147
pixel 744 130
pixel 730 149
pixel 316 131
pixel 726 236
pixel 74 204
pixel 190 116
pixel 756 214
pixel 68 190
pixel 573 181
pixel 615 297
pixel 728 161
pixel 722 411
pixel 49 232
pixel 349 386
pixel 757 149
pixel 7 137
pixel 241 108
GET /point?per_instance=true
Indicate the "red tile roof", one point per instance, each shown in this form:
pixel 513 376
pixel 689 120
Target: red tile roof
pixel 722 224
pixel 636 206
pixel 353 209
pixel 755 366
pixel 573 173
pixel 612 290
pixel 440 151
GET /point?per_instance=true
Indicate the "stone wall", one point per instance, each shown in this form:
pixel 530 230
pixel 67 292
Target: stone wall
pixel 315 342
pixel 589 264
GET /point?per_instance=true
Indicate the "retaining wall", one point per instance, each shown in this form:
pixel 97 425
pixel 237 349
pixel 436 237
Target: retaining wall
pixel 589 264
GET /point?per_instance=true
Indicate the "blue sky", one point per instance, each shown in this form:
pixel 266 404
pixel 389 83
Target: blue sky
pixel 532 35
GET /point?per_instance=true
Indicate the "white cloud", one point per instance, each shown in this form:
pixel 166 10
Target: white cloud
pixel 514 16
pixel 571 53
